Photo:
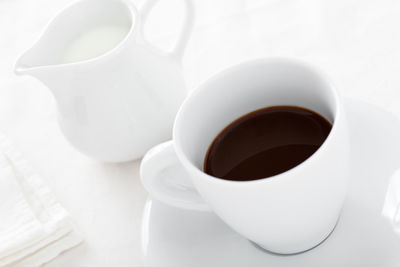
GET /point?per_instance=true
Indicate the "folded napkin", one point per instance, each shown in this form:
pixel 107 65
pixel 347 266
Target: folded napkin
pixel 34 227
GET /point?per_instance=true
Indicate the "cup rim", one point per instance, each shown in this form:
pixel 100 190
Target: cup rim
pixel 189 165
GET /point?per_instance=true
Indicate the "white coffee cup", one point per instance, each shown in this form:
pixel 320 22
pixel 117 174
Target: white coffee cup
pixel 287 213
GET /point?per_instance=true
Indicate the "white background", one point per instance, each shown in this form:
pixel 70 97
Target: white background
pixel 357 42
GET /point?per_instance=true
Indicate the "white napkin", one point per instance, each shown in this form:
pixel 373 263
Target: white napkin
pixel 34 227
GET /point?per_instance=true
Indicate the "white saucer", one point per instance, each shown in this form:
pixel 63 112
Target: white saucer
pixel 365 235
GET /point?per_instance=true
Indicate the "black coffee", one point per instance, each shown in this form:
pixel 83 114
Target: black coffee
pixel 266 142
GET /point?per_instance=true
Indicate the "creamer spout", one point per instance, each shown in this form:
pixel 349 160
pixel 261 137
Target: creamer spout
pixel 29 63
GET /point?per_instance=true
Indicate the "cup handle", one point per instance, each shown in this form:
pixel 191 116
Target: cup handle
pixel 166 180
pixel 187 27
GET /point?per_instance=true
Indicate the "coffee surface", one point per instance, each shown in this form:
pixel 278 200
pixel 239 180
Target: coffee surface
pixel 266 142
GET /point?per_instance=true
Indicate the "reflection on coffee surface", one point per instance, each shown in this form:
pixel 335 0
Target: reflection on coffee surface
pixel 266 142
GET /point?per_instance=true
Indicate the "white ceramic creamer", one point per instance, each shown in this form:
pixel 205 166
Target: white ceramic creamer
pixel 117 95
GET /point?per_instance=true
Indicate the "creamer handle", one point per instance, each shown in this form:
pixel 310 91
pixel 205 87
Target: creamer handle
pixel 187 28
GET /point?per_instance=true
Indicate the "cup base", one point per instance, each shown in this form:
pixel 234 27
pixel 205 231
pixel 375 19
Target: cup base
pixel 269 251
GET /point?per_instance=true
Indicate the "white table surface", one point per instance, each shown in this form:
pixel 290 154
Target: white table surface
pixel 356 42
